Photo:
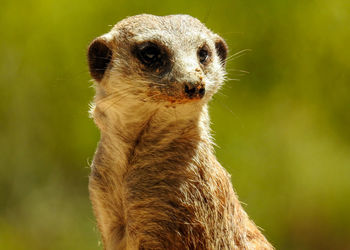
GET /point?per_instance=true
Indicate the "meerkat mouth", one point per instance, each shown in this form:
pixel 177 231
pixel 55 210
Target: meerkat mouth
pixel 177 92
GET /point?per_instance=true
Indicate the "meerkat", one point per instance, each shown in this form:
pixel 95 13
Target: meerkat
pixel 155 182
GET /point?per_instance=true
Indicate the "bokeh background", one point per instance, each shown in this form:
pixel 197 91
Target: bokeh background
pixel 282 121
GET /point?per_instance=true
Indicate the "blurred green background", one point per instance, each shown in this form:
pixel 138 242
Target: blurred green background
pixel 283 129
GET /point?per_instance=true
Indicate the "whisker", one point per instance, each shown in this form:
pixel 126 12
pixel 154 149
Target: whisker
pixel 232 113
pixel 115 101
pixel 112 95
pixel 233 79
pixel 150 97
pixel 238 54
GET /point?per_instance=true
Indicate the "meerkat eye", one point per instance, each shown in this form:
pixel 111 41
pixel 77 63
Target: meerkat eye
pixel 203 54
pixel 150 55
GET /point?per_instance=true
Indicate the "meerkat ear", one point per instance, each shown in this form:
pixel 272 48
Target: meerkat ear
pixel 221 49
pixel 99 57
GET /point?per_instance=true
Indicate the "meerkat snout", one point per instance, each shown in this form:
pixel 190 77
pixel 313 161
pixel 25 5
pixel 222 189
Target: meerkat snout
pixel 194 90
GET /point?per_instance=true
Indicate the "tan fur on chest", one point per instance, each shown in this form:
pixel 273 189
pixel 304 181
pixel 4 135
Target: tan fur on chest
pixel 155 182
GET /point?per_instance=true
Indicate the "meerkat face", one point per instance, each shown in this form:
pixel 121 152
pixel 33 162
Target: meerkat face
pixel 170 59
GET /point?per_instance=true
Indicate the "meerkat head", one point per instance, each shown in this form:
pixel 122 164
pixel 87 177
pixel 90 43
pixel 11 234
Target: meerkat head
pixel 161 60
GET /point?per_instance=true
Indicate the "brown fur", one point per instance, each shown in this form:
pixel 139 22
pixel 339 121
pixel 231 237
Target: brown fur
pixel 155 182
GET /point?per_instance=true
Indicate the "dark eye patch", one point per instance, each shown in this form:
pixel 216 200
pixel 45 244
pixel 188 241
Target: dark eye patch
pixel 203 54
pixel 152 55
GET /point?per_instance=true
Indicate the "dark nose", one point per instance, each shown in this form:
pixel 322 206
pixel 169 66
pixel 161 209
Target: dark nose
pixel 194 90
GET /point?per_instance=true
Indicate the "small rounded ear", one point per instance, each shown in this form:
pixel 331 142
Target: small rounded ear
pixel 221 49
pixel 99 57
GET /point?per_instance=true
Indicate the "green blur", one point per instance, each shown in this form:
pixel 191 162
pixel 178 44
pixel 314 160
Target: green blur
pixel 282 130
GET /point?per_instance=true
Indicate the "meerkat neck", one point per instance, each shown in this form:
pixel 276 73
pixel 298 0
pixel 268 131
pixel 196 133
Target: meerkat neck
pixel 127 133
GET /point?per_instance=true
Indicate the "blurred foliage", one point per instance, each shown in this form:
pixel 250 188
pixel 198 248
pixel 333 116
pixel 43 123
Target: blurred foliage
pixel 283 129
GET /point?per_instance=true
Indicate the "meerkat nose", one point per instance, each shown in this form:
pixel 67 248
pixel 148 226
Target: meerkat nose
pixel 190 90
pixel 201 92
pixel 194 90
